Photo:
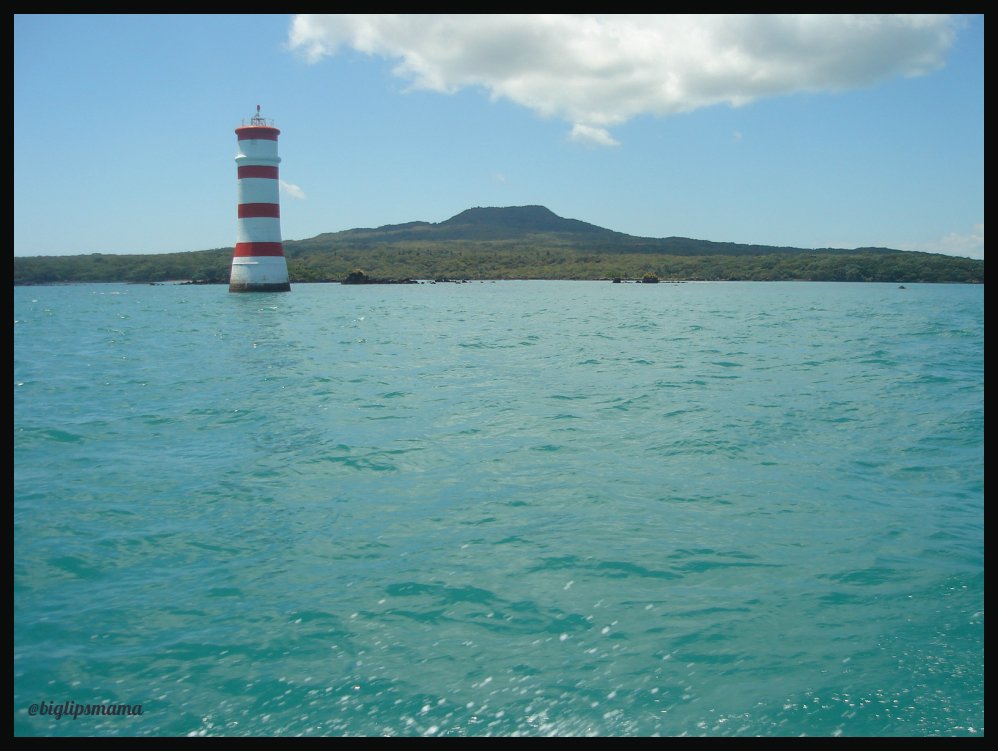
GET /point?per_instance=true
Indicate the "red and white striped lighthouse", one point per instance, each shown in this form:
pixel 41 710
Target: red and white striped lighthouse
pixel 258 263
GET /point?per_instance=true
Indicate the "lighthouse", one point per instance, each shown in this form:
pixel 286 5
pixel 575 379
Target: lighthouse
pixel 258 263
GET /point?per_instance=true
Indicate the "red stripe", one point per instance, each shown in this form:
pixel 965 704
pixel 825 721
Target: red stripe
pixel 256 210
pixel 256 170
pixel 257 132
pixel 259 249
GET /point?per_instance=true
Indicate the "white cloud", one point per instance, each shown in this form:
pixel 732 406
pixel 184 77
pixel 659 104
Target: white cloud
pixel 291 189
pixel 588 134
pixel 597 71
pixel 966 245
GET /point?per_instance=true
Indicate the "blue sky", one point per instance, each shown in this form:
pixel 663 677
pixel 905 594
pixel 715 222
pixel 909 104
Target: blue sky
pixel 813 131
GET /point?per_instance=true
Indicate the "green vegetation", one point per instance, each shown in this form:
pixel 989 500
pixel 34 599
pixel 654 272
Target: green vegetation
pixel 514 243
pixel 204 266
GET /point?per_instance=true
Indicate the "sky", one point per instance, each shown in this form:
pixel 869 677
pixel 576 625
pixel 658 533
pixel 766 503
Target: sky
pixel 810 131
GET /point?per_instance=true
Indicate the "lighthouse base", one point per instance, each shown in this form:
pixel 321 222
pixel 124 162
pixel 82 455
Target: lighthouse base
pixel 259 274
pixel 265 287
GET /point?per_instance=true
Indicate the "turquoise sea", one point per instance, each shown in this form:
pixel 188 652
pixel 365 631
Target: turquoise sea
pixel 500 509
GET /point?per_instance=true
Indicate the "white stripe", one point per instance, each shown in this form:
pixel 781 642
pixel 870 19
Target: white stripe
pixel 259 190
pixel 265 229
pixel 257 152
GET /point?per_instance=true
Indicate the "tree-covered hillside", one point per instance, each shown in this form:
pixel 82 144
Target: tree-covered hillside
pixel 525 242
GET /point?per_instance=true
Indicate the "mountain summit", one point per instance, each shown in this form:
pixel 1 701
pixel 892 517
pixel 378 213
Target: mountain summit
pixel 511 221
pixel 489 223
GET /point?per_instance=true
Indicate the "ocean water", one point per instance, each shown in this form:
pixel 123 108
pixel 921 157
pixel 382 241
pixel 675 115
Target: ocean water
pixel 499 509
